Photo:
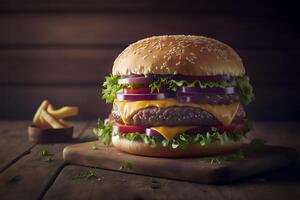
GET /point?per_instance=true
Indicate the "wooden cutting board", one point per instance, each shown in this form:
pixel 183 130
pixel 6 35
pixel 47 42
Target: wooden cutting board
pixel 211 170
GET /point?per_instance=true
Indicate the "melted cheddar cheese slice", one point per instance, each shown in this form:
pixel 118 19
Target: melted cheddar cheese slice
pixel 169 132
pixel 224 113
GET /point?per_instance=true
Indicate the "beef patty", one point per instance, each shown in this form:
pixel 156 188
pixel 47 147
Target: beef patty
pixel 174 116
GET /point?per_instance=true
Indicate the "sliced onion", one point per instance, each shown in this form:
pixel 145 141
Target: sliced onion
pixel 153 133
pixel 140 97
pixel 197 90
pixel 213 99
pixel 136 80
pixel 134 75
pixel 194 99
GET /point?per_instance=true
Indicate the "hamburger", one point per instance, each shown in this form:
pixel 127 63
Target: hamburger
pixel 176 96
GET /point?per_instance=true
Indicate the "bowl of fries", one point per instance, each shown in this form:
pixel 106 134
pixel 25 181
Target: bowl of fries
pixel 48 124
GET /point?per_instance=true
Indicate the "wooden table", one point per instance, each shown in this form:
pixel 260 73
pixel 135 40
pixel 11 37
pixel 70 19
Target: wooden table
pixel 26 174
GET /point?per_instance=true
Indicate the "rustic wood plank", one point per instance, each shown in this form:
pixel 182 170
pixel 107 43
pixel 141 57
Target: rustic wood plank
pixel 142 187
pixel 7 125
pixel 56 65
pixel 117 185
pixel 30 176
pixel 90 65
pixel 270 158
pixel 213 6
pixel 263 189
pixel 92 29
pixel 67 186
pixel 14 143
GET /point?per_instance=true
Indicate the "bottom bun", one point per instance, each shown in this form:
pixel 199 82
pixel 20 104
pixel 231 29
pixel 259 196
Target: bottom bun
pixel 195 150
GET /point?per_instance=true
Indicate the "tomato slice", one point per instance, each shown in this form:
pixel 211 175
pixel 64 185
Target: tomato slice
pixel 121 128
pixel 232 127
pixel 136 90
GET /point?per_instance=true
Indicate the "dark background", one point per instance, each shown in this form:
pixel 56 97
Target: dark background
pixel 61 49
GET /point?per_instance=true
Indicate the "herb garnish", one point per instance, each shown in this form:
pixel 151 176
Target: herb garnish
pixel 87 175
pixel 94 147
pixel 46 152
pixel 126 166
pixel 235 156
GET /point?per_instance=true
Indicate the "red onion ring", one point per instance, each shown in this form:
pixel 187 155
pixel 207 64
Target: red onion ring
pixel 215 78
pixel 140 97
pixel 153 133
pixel 136 80
pixel 197 90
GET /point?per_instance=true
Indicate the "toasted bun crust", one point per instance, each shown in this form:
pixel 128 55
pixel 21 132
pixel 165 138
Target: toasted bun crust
pixel 140 148
pixel 179 54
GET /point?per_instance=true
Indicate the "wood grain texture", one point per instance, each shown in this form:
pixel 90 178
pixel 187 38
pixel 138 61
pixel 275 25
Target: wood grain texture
pixel 269 159
pixel 30 176
pixel 116 185
pixel 85 97
pixel 13 142
pixel 56 65
pixel 263 188
pixel 213 6
pixel 19 180
pixel 92 29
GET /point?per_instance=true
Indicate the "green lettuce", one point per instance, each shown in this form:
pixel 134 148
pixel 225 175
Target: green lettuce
pixel 182 141
pixel 246 90
pixel 111 86
pixel 103 131
pixel 173 84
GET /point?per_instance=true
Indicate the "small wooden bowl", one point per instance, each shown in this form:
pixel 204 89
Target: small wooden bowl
pixel 49 135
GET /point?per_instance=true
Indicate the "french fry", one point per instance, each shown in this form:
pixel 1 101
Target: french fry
pixel 66 111
pixel 44 123
pixel 36 119
pixel 63 122
pixel 50 119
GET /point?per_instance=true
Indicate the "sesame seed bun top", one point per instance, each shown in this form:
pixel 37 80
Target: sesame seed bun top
pixel 179 54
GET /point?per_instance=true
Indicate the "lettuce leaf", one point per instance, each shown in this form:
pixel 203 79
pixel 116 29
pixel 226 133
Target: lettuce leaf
pixel 246 90
pixel 173 84
pixel 103 131
pixel 182 141
pixel 111 86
